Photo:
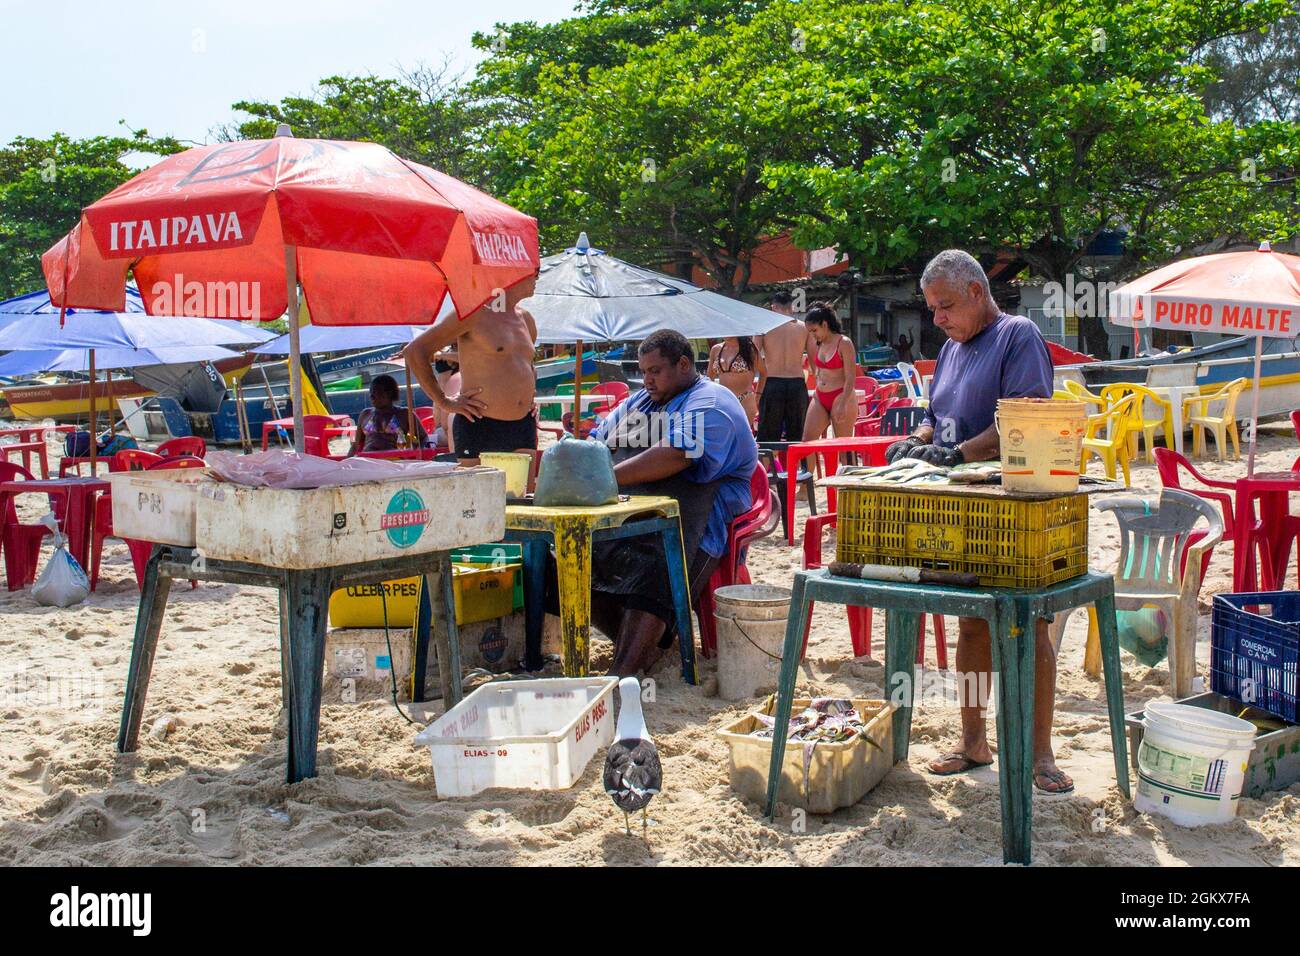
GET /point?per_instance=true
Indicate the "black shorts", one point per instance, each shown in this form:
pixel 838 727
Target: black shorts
pixel 492 434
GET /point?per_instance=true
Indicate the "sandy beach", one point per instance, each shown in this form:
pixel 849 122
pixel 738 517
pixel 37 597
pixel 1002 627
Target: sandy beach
pixel 66 797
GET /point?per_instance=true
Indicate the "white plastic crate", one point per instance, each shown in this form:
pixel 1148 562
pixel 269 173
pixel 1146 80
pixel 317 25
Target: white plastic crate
pixel 158 505
pixel 350 524
pixel 527 735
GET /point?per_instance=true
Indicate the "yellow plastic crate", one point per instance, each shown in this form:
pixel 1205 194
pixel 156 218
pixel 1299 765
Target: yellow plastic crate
pixel 1005 542
pixel 360 605
pixel 482 592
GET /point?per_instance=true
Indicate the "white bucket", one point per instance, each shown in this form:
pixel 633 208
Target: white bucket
pixel 1040 439
pixel 751 629
pixel 1192 763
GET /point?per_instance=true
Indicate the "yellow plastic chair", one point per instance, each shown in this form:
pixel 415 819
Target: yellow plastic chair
pixel 1196 412
pixel 1080 393
pixel 1146 427
pixel 1107 436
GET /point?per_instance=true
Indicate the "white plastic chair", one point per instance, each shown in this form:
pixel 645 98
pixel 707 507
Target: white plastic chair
pixel 911 380
pixel 1153 549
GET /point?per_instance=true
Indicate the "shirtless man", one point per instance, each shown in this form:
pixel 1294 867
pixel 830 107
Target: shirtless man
pixel 784 401
pixel 494 408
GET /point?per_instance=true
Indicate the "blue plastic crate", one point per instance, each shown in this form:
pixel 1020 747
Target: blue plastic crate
pixel 1253 655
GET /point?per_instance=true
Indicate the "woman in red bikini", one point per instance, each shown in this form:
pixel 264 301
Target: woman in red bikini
pixel 733 363
pixel 836 365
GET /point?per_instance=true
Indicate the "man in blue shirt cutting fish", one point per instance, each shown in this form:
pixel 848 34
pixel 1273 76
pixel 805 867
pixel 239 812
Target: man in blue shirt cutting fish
pixel 989 355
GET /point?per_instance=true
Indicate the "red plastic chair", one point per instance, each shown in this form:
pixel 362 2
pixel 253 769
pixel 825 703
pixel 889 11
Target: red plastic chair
pixel 180 461
pixel 618 393
pixel 189 445
pixel 133 459
pixel 760 520
pixel 314 441
pixel 428 416
pixel 20 543
pixel 860 617
pixel 1168 462
pixel 1295 423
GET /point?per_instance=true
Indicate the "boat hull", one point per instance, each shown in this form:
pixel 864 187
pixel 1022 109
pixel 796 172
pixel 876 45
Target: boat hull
pixel 68 402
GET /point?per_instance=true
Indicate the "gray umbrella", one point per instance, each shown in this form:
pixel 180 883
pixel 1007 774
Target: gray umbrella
pixel 584 295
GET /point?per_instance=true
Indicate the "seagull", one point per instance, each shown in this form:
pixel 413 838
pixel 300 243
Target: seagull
pixel 632 771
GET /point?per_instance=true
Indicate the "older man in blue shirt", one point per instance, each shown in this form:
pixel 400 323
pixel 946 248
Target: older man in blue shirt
pixel 988 355
pixel 688 438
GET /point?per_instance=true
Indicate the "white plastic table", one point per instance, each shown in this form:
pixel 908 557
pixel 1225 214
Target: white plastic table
pixel 1174 394
pixel 567 400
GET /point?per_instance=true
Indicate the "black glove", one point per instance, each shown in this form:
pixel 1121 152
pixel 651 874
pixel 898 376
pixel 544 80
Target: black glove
pixel 936 455
pixel 901 449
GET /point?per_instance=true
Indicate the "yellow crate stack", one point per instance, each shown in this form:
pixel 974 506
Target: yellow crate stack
pixel 1006 542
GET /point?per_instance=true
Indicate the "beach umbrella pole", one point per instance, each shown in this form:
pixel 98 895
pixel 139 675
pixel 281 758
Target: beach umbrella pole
pixel 577 389
pixel 1254 405
pixel 94 417
pixel 295 350
pixel 410 408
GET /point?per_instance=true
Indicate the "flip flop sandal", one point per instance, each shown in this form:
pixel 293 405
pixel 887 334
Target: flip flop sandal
pixel 1054 776
pixel 966 764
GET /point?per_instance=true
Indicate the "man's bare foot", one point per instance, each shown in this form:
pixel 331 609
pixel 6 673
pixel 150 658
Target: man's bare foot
pixel 958 761
pixel 1051 779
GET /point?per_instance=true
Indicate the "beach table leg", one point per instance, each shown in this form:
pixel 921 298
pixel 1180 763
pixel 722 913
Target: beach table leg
pixel 148 623
pixel 900 674
pixel 573 577
pixel 1013 638
pixel 535 554
pixel 1109 638
pixel 680 584
pixel 790 655
pixel 420 659
pixel 284 650
pixel 306 593
pixel 447 635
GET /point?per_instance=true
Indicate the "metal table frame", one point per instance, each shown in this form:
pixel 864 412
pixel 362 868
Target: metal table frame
pixel 304 606
pixel 1011 614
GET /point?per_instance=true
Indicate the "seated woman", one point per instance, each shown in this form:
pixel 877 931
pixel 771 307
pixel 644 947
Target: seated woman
pixel 733 364
pixel 384 426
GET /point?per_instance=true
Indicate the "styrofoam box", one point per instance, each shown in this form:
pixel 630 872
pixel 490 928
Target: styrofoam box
pixel 158 505
pixel 327 527
pixel 528 735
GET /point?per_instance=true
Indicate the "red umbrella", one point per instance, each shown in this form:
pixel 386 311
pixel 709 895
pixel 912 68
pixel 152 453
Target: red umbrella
pixel 1235 293
pixel 232 230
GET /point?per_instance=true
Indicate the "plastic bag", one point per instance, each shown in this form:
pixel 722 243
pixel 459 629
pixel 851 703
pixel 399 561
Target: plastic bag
pixel 1144 633
pixel 576 473
pixel 63 583
pixel 286 469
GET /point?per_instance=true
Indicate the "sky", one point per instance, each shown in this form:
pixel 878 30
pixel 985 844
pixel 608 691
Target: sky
pixel 176 67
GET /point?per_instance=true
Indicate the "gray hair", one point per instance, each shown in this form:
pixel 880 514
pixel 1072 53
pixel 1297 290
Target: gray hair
pixel 956 268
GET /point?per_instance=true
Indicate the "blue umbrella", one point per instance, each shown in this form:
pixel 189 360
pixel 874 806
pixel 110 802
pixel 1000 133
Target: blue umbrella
pixel 337 338
pixel 39 327
pixel 78 360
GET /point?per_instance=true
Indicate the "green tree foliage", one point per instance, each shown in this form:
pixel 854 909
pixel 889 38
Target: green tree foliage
pixel 45 183
pixel 1258 73
pixel 426 115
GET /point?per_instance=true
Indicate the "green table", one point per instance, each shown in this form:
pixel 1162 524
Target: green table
pixel 1011 614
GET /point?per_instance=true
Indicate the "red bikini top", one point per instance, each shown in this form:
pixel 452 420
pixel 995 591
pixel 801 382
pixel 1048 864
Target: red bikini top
pixel 835 362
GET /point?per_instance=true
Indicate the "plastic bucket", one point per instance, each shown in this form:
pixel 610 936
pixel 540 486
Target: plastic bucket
pixel 1192 763
pixel 751 629
pixel 1040 440
pixel 514 465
